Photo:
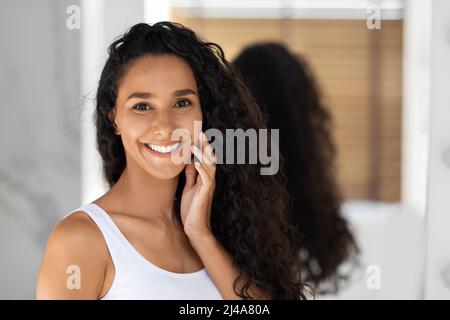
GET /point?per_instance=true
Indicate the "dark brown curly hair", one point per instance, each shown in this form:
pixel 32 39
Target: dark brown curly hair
pixel 250 210
pixel 284 87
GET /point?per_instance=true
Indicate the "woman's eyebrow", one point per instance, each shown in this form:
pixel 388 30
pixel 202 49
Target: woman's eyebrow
pixel 176 93
pixel 184 92
pixel 141 95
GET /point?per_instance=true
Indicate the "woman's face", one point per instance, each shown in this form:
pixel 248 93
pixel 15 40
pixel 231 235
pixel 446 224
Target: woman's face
pixel 156 95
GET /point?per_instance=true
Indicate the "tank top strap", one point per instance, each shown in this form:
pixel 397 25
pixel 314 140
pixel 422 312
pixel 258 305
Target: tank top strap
pixel 117 247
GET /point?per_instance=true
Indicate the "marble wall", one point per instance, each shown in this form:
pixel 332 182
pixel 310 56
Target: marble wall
pixel 40 108
pixel 49 164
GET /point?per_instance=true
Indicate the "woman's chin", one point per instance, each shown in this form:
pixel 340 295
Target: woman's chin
pixel 163 168
pixel 166 172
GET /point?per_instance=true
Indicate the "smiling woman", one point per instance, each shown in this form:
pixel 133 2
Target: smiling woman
pixel 158 94
pixel 170 230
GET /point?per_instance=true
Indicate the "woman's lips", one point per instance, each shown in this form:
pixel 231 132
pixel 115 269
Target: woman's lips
pixel 162 151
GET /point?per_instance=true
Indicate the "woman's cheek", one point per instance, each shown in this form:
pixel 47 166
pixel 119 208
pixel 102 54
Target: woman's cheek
pixel 188 123
pixel 137 126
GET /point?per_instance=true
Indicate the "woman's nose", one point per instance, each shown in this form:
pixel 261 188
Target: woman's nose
pixel 162 124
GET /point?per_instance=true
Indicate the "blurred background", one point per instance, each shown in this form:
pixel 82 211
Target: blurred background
pixel 383 67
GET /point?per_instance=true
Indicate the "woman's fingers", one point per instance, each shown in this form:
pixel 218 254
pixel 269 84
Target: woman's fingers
pixel 209 170
pixel 210 157
pixel 191 174
pixel 206 179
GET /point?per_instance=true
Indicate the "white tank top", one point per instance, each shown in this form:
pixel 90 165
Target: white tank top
pixel 137 278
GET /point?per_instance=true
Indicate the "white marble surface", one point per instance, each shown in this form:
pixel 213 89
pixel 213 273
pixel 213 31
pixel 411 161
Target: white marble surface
pixel 39 134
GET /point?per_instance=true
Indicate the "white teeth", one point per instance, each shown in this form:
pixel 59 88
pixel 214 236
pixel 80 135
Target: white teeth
pixel 163 149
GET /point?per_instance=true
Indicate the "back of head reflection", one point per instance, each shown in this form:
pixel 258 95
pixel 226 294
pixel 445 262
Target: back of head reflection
pixel 285 89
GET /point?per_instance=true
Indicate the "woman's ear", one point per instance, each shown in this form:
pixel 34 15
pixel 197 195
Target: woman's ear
pixel 112 118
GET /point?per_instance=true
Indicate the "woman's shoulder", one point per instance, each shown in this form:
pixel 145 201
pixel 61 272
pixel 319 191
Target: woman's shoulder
pixel 75 245
pixel 77 228
pixel 77 235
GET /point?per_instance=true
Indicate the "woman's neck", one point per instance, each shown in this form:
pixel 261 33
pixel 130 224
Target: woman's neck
pixel 144 195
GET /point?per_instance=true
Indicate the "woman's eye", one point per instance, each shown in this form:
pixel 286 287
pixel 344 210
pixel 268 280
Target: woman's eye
pixel 141 107
pixel 183 103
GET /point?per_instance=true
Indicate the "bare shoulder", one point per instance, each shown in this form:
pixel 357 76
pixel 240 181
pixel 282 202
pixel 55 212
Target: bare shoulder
pixel 77 228
pixel 78 236
pixel 75 260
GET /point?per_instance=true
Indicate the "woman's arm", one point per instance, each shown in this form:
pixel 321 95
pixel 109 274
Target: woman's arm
pixel 74 262
pixel 196 204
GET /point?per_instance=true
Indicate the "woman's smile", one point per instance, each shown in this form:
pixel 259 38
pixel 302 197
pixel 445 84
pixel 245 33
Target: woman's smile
pixel 162 150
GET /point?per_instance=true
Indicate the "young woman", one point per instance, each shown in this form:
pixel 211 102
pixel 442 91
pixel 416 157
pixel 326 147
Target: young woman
pixel 166 230
pixel 285 88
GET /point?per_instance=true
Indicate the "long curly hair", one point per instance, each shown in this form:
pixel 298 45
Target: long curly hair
pixel 284 87
pixel 249 211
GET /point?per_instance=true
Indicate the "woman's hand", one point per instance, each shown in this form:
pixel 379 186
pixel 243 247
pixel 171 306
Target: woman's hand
pixel 196 200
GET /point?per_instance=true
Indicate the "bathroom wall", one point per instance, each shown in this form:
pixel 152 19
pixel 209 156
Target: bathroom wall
pixel 39 134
